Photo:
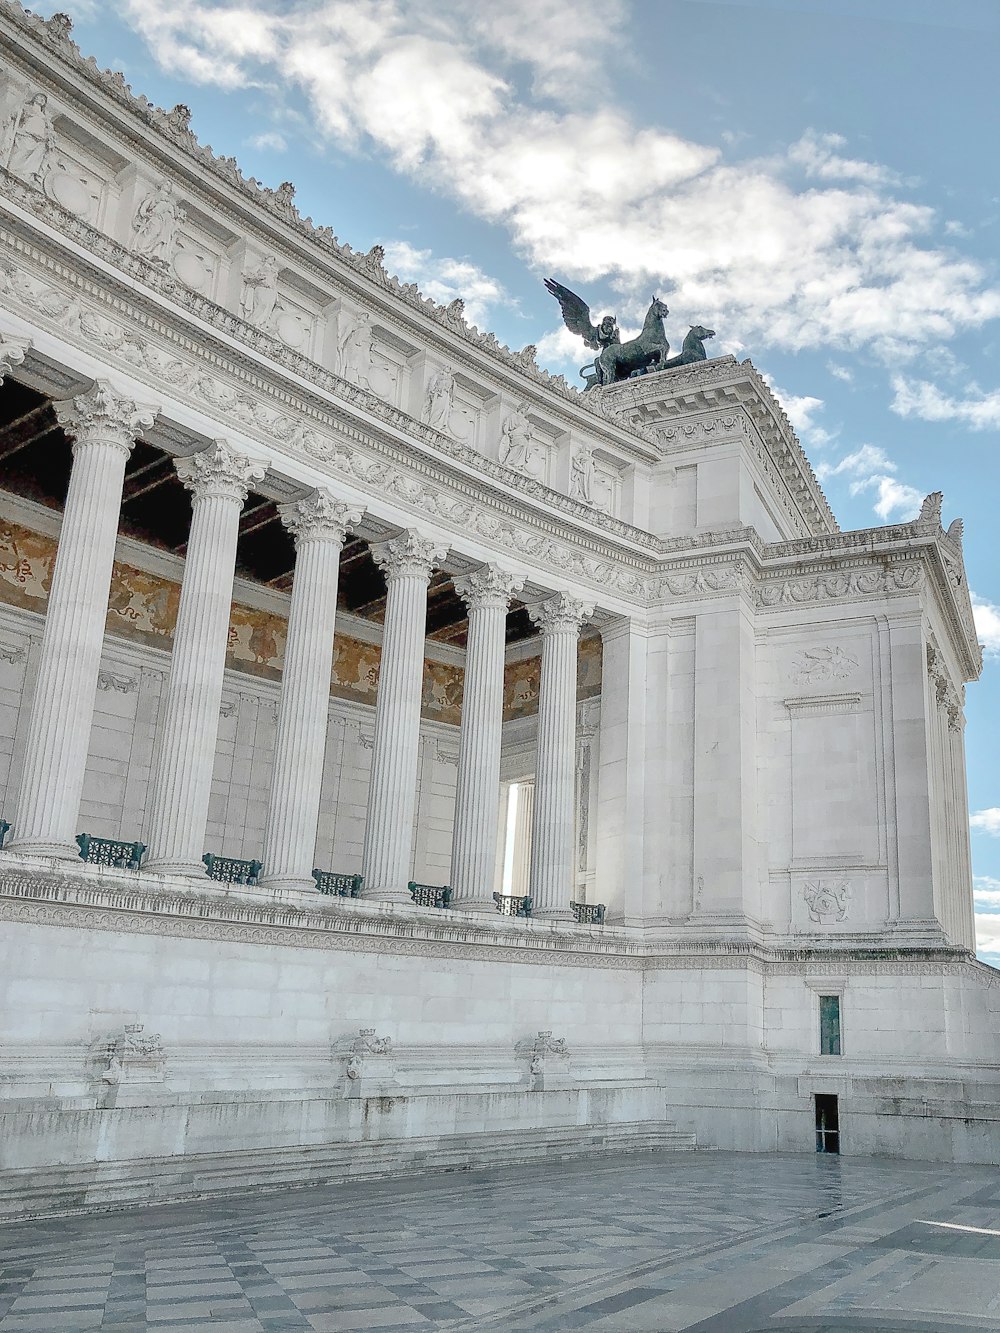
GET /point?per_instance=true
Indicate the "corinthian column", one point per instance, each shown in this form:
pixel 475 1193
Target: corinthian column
pixel 218 479
pixel 486 593
pixel 406 561
pixel 319 525
pixel 559 620
pixel 103 425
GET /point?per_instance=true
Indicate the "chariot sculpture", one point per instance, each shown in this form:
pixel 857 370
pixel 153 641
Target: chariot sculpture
pixel 639 356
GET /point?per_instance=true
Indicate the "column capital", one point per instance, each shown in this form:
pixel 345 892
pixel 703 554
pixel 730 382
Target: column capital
pixel 219 471
pixel 12 350
pixel 103 416
pixel 320 516
pixel 561 614
pixel 488 586
pixel 409 555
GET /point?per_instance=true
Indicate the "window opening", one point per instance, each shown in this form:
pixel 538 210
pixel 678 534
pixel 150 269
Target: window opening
pixel 829 1025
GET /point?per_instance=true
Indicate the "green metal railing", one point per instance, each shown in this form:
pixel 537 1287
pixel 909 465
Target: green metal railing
pixel 110 852
pixel 343 886
pixel 230 870
pixel 430 895
pixel 588 914
pixel 512 904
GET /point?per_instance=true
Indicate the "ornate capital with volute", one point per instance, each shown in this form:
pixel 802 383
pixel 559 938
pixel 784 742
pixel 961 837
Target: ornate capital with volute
pixel 12 350
pixel 103 416
pixel 320 517
pixel 488 586
pixel 219 471
pixel 561 614
pixel 410 555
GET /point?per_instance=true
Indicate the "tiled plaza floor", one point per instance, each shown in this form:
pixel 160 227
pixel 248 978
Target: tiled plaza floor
pixel 711 1242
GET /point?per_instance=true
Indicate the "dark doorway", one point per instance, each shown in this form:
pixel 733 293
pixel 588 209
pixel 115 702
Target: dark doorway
pixel 827 1123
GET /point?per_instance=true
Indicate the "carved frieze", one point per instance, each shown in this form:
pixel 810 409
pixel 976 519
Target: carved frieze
pixel 825 662
pixel 828 899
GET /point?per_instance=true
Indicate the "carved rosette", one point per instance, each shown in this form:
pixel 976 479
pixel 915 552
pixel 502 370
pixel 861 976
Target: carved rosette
pixel 219 472
pixel 561 614
pixel 320 517
pixel 102 416
pixel 488 587
pixel 12 352
pixel 410 555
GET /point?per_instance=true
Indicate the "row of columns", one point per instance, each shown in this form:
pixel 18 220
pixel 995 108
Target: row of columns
pixel 103 426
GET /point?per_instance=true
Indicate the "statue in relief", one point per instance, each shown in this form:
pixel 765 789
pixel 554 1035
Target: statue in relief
pixel 355 345
pixel 581 481
pixel 260 293
pixel 155 224
pixel 439 399
pixel 27 139
pixel 516 440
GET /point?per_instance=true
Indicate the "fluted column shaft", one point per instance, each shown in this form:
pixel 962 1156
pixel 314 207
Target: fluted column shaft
pixel 552 826
pixel 487 593
pixel 319 525
pixel 520 880
pixel 103 425
pixel 406 561
pixel 218 479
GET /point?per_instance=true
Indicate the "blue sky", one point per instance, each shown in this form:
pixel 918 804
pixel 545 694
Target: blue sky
pixel 815 179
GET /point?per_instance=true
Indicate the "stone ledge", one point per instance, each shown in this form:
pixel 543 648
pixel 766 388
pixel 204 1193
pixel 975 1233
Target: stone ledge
pixel 101 1186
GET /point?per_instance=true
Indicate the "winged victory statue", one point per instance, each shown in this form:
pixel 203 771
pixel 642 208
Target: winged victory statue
pixel 617 360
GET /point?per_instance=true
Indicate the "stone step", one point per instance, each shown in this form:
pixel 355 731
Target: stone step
pixel 99 1186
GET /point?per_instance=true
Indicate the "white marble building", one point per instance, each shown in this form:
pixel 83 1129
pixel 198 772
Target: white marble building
pixel 299 569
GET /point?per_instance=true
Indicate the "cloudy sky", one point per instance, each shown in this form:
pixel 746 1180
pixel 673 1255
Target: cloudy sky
pixel 815 179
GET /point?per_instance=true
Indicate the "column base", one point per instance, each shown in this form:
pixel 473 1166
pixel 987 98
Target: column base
pixel 192 869
pixel 473 905
pixel 562 914
pixel 386 895
pixel 278 883
pixel 53 851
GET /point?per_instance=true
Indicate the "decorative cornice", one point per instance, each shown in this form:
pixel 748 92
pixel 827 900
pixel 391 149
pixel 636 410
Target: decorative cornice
pixel 325 252
pixel 103 416
pixel 320 517
pixel 141 904
pixel 219 472
pixel 488 586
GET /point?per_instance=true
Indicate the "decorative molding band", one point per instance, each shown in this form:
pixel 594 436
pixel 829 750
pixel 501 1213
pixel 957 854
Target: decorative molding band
pixel 821 705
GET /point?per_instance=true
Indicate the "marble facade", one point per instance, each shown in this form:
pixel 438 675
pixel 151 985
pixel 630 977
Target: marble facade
pixel 740 727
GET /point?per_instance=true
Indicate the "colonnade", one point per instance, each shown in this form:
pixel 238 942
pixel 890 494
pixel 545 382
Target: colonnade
pixel 103 426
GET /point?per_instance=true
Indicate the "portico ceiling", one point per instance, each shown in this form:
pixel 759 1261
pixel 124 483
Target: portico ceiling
pixel 35 459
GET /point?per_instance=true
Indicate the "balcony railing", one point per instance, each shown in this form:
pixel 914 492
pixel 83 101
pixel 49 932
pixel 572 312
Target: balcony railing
pixel 430 895
pixel 109 852
pixel 229 870
pixel 343 886
pixel 512 904
pixel 588 914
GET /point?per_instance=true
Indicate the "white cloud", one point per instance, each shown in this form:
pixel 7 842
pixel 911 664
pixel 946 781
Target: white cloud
pixel 444 278
pixel 918 398
pixel 583 190
pixel 986 821
pixel 986 892
pixel 269 139
pixel 801 410
pixel 870 469
pixel 840 372
pixel 988 935
pixel 987 617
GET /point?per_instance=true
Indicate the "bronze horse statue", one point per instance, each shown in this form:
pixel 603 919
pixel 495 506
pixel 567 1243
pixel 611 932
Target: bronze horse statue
pixel 617 360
